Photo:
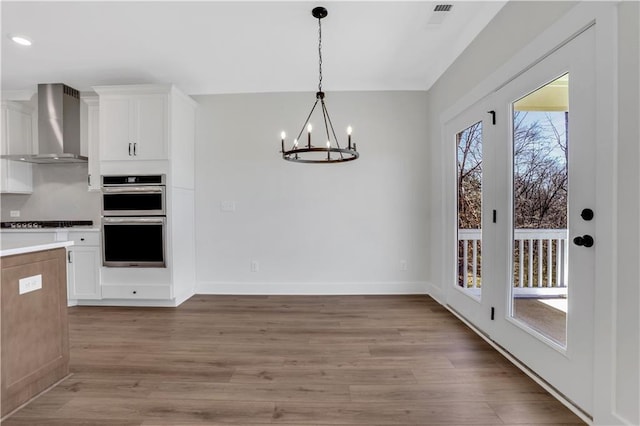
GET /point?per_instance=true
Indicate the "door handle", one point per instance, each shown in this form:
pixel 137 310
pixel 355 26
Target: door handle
pixel 129 149
pixel 585 240
pixel 586 214
pixel 135 145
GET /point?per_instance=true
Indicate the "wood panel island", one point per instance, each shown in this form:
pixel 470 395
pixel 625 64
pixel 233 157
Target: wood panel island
pixel 34 341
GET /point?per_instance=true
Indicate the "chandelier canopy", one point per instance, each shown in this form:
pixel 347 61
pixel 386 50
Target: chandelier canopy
pixel 330 151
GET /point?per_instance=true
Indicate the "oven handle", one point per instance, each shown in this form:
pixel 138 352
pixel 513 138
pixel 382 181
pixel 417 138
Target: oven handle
pixel 143 189
pixel 133 220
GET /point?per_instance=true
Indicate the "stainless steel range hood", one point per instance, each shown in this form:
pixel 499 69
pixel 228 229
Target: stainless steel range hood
pixel 58 126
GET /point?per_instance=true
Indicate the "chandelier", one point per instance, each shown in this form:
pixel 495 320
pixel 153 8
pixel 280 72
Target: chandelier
pixel 330 151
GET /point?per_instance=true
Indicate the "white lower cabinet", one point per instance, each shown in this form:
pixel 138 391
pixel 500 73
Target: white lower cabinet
pixel 84 273
pixel 83 268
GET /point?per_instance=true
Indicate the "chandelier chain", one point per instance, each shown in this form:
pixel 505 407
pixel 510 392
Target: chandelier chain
pixel 320 55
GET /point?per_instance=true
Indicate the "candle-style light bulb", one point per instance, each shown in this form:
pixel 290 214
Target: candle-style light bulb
pixel 283 135
pixel 295 143
pixel 328 144
pixel 349 129
pixel 328 150
pixel 309 128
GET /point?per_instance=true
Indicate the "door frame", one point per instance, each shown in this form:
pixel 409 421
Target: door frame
pixel 584 14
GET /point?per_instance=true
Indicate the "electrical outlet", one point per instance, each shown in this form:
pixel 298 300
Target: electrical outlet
pixel 403 265
pixel 28 284
pixel 15 213
pixel 255 266
pixel 227 206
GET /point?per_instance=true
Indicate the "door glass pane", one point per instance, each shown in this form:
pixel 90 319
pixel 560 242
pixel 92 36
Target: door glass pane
pixel 540 185
pixel 469 170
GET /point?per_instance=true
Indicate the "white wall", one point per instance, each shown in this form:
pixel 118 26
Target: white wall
pixel 617 333
pixel 627 297
pixel 59 193
pixel 313 228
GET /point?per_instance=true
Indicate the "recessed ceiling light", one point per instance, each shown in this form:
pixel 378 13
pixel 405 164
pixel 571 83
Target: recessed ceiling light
pixel 20 39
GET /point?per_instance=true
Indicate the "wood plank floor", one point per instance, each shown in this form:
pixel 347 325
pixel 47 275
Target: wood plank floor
pixel 297 360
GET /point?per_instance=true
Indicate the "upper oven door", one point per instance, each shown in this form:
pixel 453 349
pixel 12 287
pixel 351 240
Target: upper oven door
pixel 133 200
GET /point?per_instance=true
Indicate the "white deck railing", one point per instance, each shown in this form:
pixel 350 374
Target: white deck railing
pixel 539 258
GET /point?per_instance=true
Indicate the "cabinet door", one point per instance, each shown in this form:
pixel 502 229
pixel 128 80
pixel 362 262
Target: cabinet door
pixel 18 132
pixel 84 273
pixel 17 137
pixel 16 177
pixel 116 141
pixel 151 127
pixel 93 137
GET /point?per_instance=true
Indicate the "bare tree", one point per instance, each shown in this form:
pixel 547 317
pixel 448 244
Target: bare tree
pixel 469 146
pixel 539 174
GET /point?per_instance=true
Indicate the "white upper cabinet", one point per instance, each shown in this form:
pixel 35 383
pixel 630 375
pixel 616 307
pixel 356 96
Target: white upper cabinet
pixel 17 129
pixel 133 122
pixel 151 127
pixel 89 145
pixel 17 138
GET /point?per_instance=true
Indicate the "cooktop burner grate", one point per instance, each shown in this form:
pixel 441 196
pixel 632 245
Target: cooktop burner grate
pixel 31 224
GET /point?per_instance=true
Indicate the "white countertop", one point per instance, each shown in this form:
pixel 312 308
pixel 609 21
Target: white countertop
pixel 8 248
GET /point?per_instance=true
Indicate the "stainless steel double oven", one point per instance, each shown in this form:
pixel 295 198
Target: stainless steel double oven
pixel 134 221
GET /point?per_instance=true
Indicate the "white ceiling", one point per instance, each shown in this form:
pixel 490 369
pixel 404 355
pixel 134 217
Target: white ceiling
pixel 210 47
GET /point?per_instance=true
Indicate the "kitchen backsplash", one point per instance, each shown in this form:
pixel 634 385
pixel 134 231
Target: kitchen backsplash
pixel 59 193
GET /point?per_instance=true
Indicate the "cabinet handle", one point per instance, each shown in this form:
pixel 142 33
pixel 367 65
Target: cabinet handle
pixel 89 180
pixel 135 292
pixel 69 257
pixel 81 239
pixel 129 149
pixel 135 145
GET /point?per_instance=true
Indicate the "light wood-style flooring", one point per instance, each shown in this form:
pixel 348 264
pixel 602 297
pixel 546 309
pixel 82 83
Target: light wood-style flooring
pixel 296 360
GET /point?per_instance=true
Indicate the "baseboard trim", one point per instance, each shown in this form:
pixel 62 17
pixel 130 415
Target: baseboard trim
pixel 310 288
pixel 146 303
pixel 183 297
pixel 435 292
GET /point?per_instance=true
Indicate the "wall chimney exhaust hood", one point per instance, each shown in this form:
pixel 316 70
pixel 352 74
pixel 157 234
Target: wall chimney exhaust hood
pixel 58 126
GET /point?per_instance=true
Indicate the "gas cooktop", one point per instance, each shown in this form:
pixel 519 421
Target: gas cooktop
pixel 31 224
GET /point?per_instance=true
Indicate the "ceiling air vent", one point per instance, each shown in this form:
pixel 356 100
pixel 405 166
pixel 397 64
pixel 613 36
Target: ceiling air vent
pixel 439 12
pixel 442 8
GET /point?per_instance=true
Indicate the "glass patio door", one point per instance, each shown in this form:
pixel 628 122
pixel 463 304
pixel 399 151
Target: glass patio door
pixel 520 192
pixel 545 248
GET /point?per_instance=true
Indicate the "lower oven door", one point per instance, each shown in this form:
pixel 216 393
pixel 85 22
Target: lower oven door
pixel 133 241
